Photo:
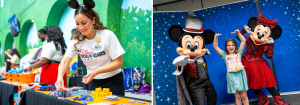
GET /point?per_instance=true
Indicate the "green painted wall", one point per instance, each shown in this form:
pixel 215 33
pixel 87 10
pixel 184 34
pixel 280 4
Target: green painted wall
pixel 114 14
pixel 136 43
pixel 25 11
pixel 136 38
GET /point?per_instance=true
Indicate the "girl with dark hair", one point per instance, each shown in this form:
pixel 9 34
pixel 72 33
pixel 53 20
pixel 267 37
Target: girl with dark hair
pixel 15 58
pixel 54 48
pixel 98 48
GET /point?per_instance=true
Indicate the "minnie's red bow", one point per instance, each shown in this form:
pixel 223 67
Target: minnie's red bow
pixel 262 19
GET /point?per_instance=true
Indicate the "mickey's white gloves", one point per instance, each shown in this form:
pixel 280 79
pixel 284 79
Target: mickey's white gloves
pixel 182 60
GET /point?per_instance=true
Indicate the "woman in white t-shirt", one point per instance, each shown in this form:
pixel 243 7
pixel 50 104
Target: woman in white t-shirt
pixel 98 48
pixel 54 48
pixel 14 58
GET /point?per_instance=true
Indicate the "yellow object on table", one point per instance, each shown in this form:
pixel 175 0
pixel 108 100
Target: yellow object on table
pixel 35 71
pixel 98 89
pixel 101 99
pixel 99 93
pixel 106 90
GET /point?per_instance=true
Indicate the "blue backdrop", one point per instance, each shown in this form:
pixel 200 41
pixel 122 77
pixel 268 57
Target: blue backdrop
pixel 225 19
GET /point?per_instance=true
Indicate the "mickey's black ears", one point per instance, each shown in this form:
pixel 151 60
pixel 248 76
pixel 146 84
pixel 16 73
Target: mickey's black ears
pixel 175 32
pixel 73 4
pixel 252 22
pixel 276 32
pixel 208 36
pixel 89 3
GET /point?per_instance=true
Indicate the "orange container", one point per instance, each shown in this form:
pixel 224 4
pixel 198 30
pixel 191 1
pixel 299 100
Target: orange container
pixel 26 78
pixel 7 77
pixel 14 77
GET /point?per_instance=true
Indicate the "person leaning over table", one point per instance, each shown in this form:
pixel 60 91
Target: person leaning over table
pixel 99 50
pixel 54 48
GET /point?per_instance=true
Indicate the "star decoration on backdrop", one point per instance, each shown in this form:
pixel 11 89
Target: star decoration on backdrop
pixel 163 45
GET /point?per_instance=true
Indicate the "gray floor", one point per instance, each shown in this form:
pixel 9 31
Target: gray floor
pixel 292 99
pixel 139 96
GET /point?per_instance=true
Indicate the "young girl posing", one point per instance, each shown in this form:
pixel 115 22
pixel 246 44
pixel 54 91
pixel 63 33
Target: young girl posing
pixel 236 75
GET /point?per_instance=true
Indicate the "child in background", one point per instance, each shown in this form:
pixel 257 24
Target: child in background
pixel 236 75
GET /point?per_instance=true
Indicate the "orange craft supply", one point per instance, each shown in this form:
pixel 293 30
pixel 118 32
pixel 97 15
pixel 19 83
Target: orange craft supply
pixel 26 78
pixel 14 77
pixel 7 77
pixel 19 88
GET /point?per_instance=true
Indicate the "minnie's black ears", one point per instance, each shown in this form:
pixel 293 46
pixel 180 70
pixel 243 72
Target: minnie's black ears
pixel 252 22
pixel 89 3
pixel 175 32
pixel 73 4
pixel 276 32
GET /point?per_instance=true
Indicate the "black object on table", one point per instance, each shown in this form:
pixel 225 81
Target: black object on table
pixel 37 98
pixel 77 81
pixel 7 93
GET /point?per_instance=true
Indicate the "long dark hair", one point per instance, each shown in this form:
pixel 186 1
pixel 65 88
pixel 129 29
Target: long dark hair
pixel 15 52
pixel 90 13
pixel 55 34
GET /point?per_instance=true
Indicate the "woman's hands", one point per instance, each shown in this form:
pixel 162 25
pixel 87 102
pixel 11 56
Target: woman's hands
pixel 27 69
pixel 60 84
pixel 89 77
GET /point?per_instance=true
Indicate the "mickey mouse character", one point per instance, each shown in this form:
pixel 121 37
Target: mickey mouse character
pixel 259 74
pixel 193 82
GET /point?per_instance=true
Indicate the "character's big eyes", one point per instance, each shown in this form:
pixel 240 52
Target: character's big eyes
pixel 258 31
pixel 263 35
pixel 196 44
pixel 188 44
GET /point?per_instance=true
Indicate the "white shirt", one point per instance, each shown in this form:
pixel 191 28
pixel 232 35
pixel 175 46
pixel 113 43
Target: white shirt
pixel 49 51
pixel 15 58
pixel 97 52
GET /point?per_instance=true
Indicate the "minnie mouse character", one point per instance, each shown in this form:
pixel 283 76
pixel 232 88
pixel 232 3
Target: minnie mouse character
pixel 193 82
pixel 259 74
